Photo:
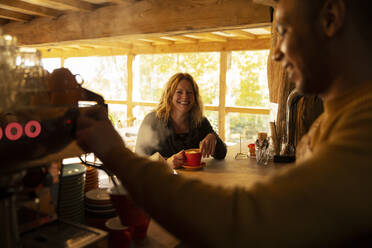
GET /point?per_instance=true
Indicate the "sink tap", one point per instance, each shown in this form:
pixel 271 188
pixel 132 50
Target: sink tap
pixel 291 117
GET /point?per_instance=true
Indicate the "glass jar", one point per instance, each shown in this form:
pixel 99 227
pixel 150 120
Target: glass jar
pixel 262 149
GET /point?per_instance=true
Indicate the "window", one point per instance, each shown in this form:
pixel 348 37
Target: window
pixel 152 72
pixel 247 79
pixel 106 76
pixel 118 115
pixel 139 112
pixel 51 63
pixel 246 88
pixel 245 126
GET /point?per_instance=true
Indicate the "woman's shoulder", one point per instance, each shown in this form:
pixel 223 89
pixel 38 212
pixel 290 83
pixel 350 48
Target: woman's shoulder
pixel 205 120
pixel 151 117
pixel 153 120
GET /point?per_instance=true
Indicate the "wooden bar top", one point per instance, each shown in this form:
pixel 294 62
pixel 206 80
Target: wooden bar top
pixel 228 173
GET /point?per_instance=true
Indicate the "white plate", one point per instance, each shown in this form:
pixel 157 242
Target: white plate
pixel 98 195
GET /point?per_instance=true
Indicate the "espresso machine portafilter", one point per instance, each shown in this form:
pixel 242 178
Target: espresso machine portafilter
pixel 38 113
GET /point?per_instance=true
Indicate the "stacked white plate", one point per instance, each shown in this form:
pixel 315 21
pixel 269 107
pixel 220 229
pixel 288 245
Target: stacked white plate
pixel 98 206
pixel 71 193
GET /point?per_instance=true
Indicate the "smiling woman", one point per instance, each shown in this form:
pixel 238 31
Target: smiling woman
pixel 178 124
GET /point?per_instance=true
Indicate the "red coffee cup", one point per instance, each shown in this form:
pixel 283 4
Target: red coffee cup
pixel 129 213
pixel 193 157
pixel 119 235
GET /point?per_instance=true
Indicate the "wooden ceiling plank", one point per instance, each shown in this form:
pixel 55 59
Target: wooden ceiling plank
pixel 231 45
pixel 213 37
pixel 59 53
pixel 109 44
pixel 242 34
pixel 147 48
pixel 161 41
pixel 180 39
pixel 266 2
pixel 142 19
pixel 74 5
pixel 15 16
pixel 28 8
pixel 207 37
pixel 142 43
pixel 121 1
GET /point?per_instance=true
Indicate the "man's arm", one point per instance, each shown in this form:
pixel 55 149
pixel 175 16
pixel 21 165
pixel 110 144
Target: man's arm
pixel 311 204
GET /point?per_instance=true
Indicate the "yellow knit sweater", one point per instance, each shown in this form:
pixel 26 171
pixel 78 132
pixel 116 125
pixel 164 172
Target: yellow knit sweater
pixel 323 201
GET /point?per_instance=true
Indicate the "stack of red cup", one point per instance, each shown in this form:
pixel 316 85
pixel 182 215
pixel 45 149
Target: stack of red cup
pixel 119 235
pixel 130 214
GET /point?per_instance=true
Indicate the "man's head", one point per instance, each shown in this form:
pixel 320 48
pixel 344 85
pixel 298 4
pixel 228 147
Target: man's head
pixel 313 34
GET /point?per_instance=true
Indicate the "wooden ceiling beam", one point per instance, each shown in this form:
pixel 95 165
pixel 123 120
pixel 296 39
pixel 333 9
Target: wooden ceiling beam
pixel 266 2
pixel 158 41
pixel 208 37
pixel 66 53
pixel 242 34
pixel 142 19
pixel 109 44
pixel 15 16
pixel 142 47
pixel 75 5
pixel 121 1
pixel 180 39
pixel 28 8
pixel 3 21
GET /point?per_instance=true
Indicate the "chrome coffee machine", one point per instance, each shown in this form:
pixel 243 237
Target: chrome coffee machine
pixel 38 113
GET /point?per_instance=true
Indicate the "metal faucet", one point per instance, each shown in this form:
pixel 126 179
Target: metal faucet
pixel 291 116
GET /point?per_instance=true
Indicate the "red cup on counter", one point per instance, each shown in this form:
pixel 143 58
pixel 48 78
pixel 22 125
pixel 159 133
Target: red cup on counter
pixel 119 235
pixel 129 213
pixel 252 150
pixel 193 157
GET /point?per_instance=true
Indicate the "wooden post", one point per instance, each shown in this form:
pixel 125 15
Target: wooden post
pixel 222 98
pixel 130 59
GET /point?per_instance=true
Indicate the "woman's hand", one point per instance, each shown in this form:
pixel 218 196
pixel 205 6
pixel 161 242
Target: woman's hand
pixel 95 132
pixel 208 144
pixel 177 160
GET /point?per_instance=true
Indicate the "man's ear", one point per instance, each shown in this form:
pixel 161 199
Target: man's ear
pixel 333 16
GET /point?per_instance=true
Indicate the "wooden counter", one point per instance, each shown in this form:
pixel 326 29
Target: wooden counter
pixel 227 173
pixel 230 172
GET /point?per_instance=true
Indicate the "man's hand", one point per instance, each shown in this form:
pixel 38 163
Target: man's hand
pixel 95 132
pixel 208 144
pixel 177 160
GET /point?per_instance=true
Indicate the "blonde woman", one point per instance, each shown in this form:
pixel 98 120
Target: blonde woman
pixel 178 124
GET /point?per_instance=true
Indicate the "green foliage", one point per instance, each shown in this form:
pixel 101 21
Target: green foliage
pixel 247 87
pixel 155 70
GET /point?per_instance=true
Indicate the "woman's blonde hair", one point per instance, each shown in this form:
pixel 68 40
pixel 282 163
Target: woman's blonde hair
pixel 163 111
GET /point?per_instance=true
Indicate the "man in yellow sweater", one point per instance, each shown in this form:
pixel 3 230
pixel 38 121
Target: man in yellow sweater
pixel 323 201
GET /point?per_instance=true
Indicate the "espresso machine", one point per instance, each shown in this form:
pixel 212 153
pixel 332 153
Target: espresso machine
pixel 38 113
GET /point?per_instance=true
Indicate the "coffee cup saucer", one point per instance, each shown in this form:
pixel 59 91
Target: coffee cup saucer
pixel 192 168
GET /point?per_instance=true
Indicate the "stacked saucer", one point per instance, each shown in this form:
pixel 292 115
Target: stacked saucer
pixel 98 207
pixel 71 193
pixel 91 178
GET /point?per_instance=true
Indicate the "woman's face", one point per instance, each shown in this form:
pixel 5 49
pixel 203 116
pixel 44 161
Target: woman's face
pixel 183 98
